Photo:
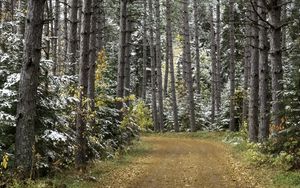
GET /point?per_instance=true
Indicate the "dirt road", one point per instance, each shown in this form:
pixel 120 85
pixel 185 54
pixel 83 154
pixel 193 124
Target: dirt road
pixel 180 162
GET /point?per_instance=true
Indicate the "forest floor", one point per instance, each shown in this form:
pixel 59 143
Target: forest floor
pixel 171 161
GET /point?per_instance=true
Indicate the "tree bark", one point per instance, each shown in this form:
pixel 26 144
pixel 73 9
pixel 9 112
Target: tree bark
pixel 73 36
pixel 158 65
pixel 79 25
pixel 122 62
pixel 276 61
pixel 264 120
pixel 197 48
pixel 218 63
pixel 171 62
pixel 21 25
pixel 188 62
pixel 283 29
pixel 127 90
pixel 81 153
pixel 100 26
pixel 145 58
pixel 233 124
pixel 254 82
pixel 166 79
pixel 66 38
pixel 247 66
pixel 153 68
pixel 46 31
pixel 55 37
pixel 213 66
pixel 92 59
pixel 26 110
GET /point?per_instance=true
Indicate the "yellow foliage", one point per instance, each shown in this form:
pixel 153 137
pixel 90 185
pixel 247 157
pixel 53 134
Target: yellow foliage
pixel 101 67
pixel 4 162
pixel 131 97
pixel 179 38
pixel 280 127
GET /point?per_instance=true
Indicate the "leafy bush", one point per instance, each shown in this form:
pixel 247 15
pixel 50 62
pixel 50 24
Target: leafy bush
pixel 285 147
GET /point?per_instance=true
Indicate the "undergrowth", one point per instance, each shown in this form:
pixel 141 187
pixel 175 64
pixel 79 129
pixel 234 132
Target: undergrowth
pixel 278 156
pixel 96 171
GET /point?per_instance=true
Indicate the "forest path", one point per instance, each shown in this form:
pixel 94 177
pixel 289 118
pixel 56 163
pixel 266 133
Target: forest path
pixel 181 162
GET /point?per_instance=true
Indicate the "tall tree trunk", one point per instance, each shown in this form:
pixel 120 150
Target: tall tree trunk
pixel 283 29
pixel 79 25
pixel 1 16
pixel 264 120
pixel 218 63
pixel 73 36
pixel 276 61
pixel 254 84
pixel 171 62
pixel 127 57
pixel 81 153
pixel 158 65
pixel 145 59
pixel 12 14
pixel 153 68
pixel 26 110
pixel 122 62
pixel 92 59
pixel 21 25
pixel 197 48
pixel 66 38
pixel 55 38
pixel 46 31
pixel 213 66
pixel 188 62
pixel 247 66
pixel 166 79
pixel 51 25
pixel 233 125
pixel 100 26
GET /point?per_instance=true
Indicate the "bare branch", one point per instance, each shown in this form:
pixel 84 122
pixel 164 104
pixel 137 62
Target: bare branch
pixel 260 15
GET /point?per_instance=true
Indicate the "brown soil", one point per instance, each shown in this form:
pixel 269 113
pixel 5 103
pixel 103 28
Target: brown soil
pixel 181 162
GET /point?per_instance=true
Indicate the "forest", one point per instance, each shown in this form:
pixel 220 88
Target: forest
pixel 206 92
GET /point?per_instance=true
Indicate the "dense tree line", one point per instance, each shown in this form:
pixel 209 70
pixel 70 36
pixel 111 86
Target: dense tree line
pixel 83 77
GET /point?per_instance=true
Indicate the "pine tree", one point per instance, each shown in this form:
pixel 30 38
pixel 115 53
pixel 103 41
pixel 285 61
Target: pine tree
pixel 27 103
